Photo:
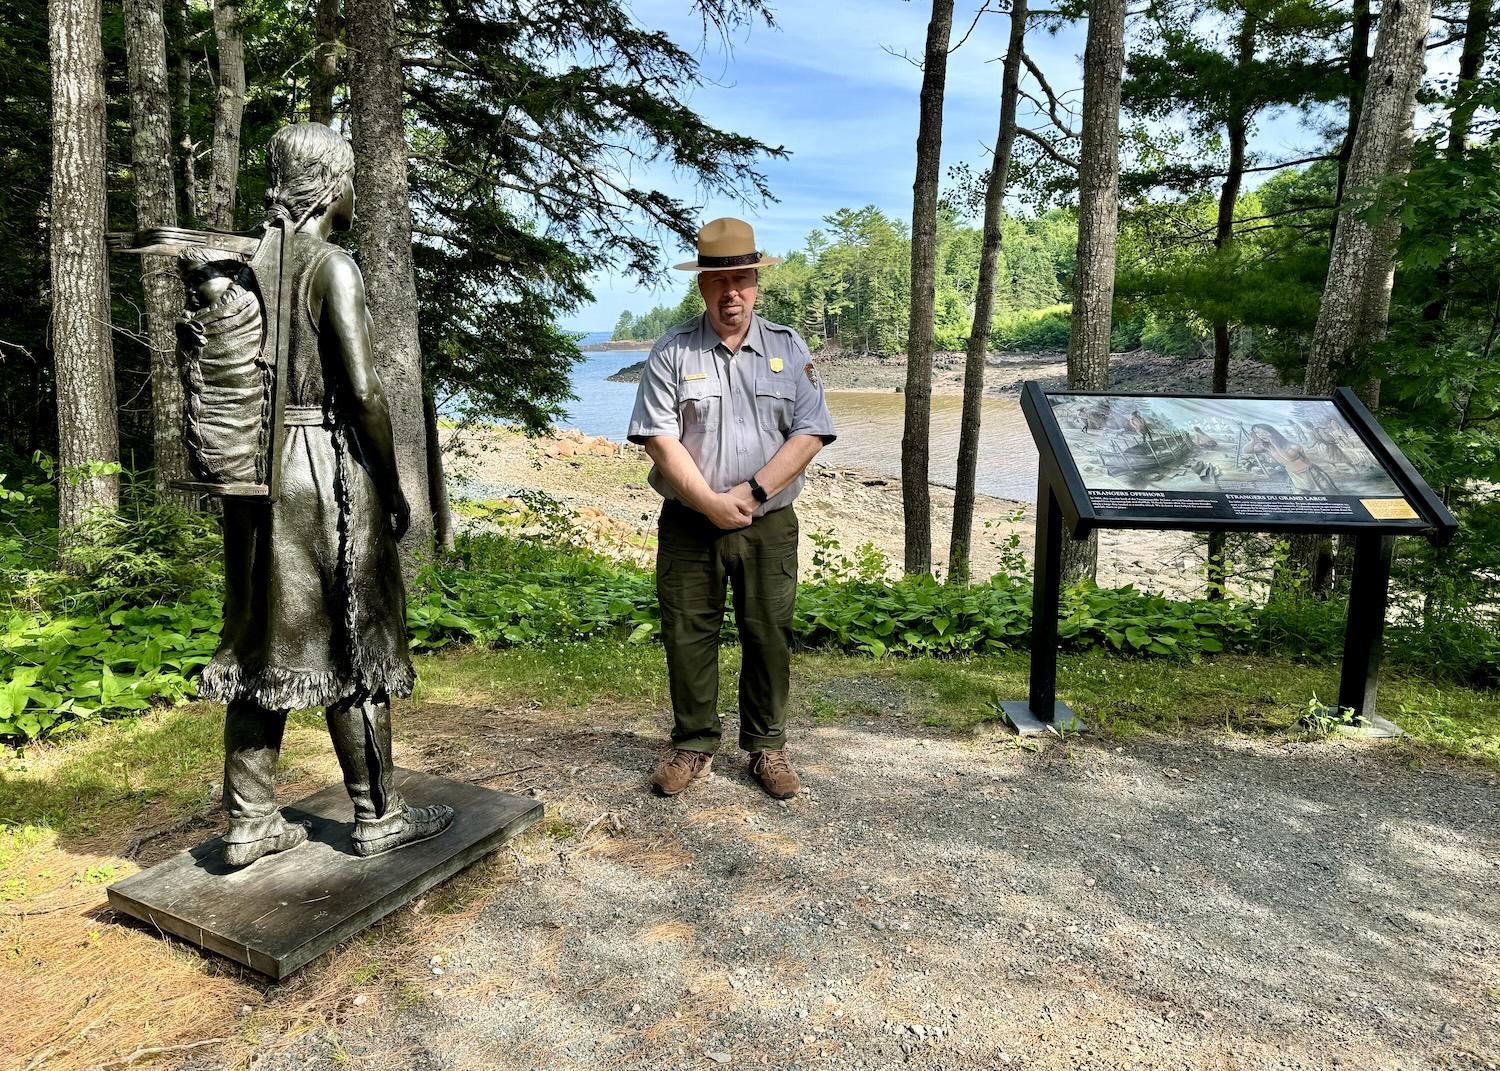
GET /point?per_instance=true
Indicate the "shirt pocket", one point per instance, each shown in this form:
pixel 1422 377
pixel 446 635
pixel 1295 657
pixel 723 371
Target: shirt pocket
pixel 774 398
pixel 698 404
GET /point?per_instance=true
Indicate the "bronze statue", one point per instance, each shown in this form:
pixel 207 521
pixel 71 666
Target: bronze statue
pixel 315 608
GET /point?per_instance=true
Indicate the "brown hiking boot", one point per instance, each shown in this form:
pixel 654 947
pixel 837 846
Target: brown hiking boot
pixel 678 770
pixel 774 772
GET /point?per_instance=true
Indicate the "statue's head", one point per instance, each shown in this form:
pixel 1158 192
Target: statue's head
pixel 311 171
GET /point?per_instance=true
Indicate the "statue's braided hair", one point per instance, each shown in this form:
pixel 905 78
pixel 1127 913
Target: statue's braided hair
pixel 308 163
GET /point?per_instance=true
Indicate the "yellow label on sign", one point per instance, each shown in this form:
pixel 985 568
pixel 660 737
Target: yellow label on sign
pixel 1389 509
pixel 693 376
pixel 776 365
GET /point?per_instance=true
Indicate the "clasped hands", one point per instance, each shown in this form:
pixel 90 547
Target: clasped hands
pixel 734 508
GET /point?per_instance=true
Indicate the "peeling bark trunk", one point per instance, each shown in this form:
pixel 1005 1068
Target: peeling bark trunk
pixel 1098 227
pixel 984 304
pixel 915 497
pixel 229 110
pixel 325 71
pixel 1357 294
pixel 383 232
pixel 82 354
pixel 156 206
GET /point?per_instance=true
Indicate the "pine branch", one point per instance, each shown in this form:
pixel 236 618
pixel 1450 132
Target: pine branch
pixel 1054 102
pixel 977 15
pixel 1047 147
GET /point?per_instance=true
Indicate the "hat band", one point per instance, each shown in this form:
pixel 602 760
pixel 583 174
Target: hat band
pixel 739 260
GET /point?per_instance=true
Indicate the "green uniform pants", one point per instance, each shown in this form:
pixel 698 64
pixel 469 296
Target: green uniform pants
pixel 694 563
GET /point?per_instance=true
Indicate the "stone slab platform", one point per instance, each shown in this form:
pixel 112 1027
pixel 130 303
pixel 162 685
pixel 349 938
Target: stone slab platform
pixel 284 910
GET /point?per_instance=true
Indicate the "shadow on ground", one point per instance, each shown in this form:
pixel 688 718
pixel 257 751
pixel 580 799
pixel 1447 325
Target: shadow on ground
pixel 960 903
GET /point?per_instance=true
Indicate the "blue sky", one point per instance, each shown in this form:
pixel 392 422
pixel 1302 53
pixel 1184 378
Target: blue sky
pixel 822 85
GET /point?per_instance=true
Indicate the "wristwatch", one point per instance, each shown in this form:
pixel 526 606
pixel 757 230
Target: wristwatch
pixel 757 490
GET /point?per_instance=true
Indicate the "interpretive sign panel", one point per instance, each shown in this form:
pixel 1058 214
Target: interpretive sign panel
pixel 1219 461
pixel 1216 462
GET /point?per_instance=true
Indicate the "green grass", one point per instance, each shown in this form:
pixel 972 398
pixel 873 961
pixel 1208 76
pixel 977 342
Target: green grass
pixel 565 677
pixel 107 778
pixel 1123 698
pixel 104 781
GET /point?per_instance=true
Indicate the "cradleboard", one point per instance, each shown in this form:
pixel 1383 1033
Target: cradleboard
pixel 232 341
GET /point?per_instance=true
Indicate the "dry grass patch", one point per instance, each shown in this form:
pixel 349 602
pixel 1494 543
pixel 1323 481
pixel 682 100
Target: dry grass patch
pixel 663 932
pixel 655 857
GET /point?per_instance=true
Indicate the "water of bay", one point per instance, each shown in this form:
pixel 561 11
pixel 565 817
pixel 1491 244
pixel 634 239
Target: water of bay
pixel 869 426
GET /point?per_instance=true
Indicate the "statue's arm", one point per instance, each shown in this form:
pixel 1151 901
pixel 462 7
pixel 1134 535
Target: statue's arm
pixel 346 317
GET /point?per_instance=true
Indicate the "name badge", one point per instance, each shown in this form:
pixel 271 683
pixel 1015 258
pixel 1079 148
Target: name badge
pixel 776 364
pixel 693 377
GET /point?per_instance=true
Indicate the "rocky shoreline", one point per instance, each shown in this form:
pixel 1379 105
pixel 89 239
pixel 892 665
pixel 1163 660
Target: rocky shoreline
pixel 1140 371
pixel 631 373
pixel 602 486
pixel 614 344
pixel 603 483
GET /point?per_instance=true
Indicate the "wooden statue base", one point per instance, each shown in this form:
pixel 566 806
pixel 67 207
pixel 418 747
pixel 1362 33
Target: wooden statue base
pixel 286 909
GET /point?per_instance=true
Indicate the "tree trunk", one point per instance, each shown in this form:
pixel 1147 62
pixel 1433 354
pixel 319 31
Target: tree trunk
pixel 1359 69
pixel 1237 130
pixel 442 511
pixel 188 194
pixel 325 71
pixel 229 109
pixel 915 500
pixel 1476 28
pixel 87 431
pixel 1098 227
pixel 984 304
pixel 1357 294
pixel 383 233
pixel 156 206
pixel 1470 60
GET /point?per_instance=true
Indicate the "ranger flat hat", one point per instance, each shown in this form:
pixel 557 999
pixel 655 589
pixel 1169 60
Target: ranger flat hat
pixel 726 244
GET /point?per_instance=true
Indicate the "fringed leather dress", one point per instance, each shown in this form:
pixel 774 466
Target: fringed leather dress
pixel 315 608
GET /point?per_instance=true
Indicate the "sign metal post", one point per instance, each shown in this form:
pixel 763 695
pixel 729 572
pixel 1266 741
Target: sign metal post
pixel 1280 465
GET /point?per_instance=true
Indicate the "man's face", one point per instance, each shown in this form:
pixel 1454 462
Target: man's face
pixel 729 297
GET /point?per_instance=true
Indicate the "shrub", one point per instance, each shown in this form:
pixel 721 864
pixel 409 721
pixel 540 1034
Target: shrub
pixel 1040 329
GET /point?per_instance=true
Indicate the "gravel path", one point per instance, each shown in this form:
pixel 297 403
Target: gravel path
pixel 952 903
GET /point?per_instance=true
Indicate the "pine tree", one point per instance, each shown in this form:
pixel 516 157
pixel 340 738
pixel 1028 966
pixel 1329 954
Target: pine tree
pixel 1098 226
pixel 229 111
pixel 88 437
pixel 156 206
pixel 384 234
pixel 915 497
pixel 984 301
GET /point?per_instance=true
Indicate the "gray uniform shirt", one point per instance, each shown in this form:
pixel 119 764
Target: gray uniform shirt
pixel 732 412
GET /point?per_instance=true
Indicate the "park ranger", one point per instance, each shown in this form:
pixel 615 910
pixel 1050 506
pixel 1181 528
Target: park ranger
pixel 730 412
